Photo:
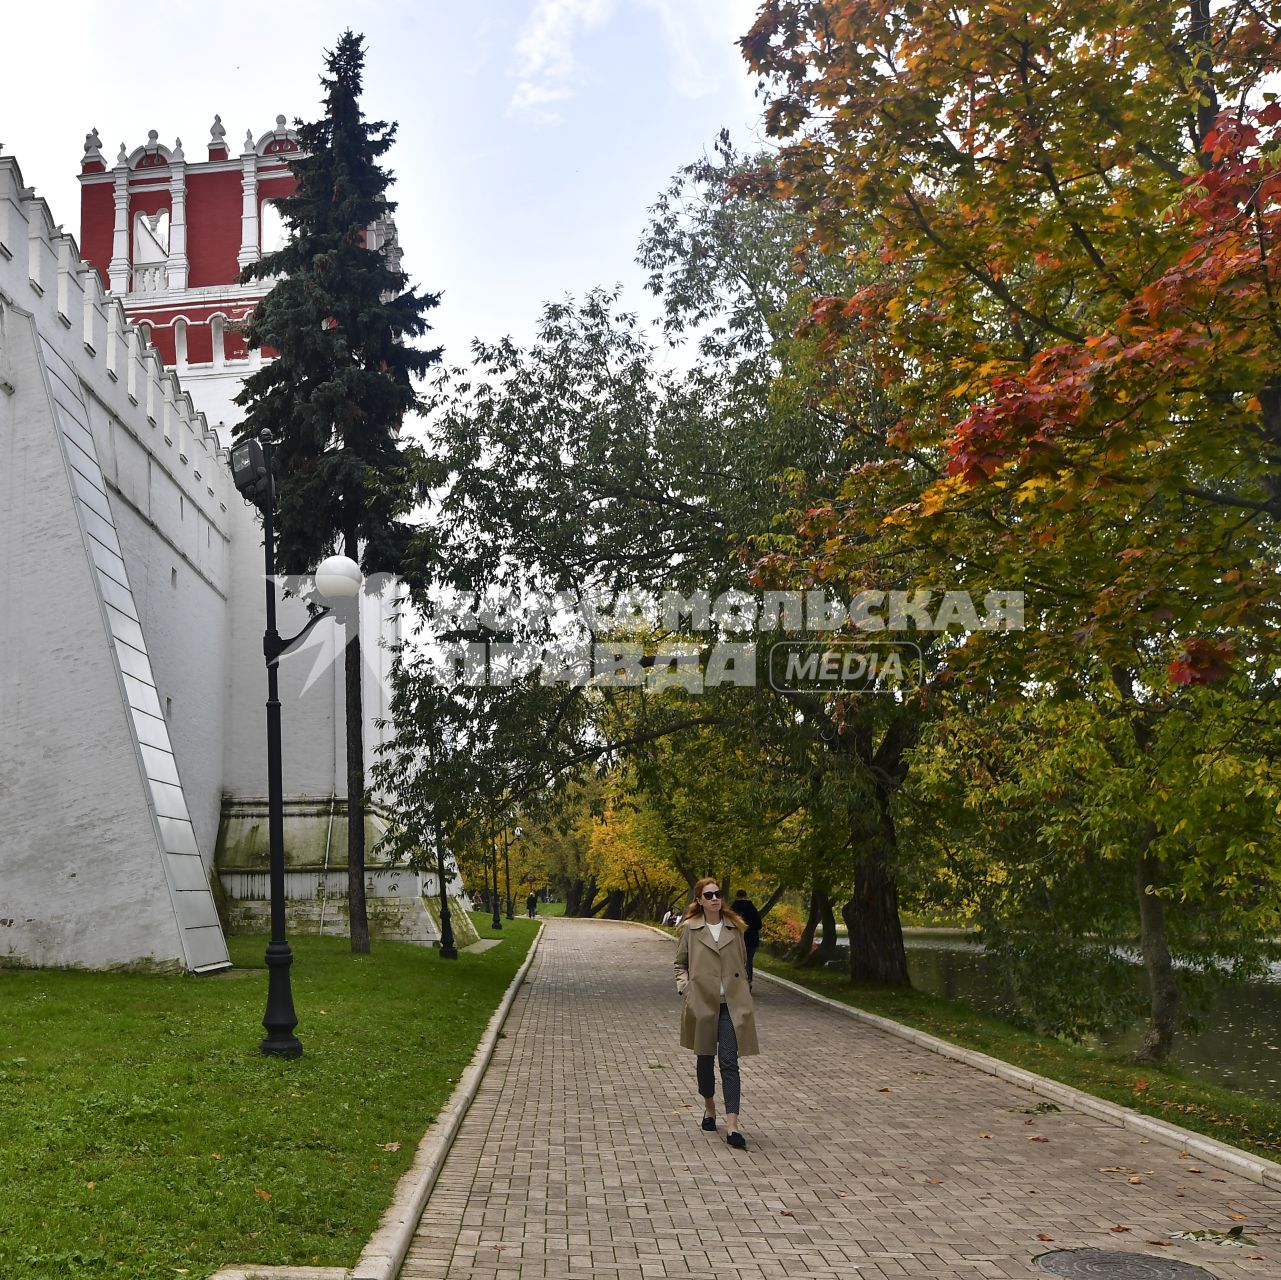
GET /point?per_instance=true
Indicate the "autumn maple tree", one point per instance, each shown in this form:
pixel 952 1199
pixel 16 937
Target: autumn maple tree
pixel 1074 209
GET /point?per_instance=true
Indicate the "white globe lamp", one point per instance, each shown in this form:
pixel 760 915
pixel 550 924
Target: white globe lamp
pixel 338 578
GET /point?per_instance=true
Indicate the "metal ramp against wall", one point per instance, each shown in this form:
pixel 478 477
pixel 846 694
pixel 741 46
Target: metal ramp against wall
pixel 203 944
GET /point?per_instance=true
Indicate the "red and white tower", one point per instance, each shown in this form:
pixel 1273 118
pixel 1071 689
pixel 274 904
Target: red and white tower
pixel 170 238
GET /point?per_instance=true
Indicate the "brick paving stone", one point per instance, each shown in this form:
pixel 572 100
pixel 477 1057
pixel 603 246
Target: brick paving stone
pixel 868 1157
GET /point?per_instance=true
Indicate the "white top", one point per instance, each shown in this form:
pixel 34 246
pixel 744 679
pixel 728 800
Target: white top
pixel 715 931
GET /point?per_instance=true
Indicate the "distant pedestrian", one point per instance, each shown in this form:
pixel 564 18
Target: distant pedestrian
pixel 717 1018
pixel 531 904
pixel 752 937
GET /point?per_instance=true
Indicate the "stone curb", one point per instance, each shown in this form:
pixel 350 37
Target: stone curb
pixel 1219 1154
pixel 382 1257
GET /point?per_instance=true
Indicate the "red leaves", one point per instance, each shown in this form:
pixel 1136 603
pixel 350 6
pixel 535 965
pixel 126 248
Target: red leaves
pixel 1202 662
pixel 1172 335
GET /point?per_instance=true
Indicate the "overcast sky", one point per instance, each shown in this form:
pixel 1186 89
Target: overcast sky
pixel 533 133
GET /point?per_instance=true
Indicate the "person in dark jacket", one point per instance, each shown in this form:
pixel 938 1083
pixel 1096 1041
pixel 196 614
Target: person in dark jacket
pixel 531 904
pixel 752 918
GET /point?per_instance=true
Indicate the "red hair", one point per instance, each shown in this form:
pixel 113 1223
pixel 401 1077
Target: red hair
pixel 695 908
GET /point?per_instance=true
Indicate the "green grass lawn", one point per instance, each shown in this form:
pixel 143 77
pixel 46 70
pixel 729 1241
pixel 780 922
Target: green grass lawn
pixel 1250 1123
pixel 143 1134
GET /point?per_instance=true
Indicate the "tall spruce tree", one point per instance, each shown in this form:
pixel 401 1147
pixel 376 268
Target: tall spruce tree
pixel 340 320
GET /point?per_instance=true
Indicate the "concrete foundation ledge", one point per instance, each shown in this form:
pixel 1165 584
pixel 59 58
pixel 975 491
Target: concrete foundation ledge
pixel 1219 1154
pixel 383 1255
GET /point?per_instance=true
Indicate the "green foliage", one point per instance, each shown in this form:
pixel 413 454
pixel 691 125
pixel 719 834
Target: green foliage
pixel 782 927
pixel 583 462
pixel 1031 816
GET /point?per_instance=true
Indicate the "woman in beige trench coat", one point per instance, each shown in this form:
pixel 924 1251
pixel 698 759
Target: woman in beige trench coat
pixel 717 1019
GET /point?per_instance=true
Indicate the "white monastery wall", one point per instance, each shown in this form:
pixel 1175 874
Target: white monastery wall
pixel 102 764
pixel 169 488
pixel 80 876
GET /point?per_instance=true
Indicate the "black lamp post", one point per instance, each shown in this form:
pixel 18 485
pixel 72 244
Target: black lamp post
pixel 507 871
pixel 251 470
pixel 497 921
pixel 448 951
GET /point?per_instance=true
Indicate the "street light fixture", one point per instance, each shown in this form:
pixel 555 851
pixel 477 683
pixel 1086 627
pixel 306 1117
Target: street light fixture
pixel 338 578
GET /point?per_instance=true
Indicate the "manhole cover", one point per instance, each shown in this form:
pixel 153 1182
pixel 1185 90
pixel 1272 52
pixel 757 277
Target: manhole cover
pixel 1118 1266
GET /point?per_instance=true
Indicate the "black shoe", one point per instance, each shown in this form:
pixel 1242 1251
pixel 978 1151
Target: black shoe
pixel 709 1124
pixel 736 1140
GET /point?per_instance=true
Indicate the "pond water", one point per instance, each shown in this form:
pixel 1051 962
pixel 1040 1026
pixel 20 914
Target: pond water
pixel 1238 1044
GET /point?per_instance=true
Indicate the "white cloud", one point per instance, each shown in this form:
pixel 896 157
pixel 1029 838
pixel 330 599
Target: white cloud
pixel 546 70
pixel 700 41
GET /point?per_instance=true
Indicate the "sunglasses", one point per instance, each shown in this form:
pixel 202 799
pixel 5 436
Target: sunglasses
pixel 711 893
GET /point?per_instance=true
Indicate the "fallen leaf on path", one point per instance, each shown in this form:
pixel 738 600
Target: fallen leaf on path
pixel 1233 1236
pixel 1165 1244
pixel 787 1213
pixel 1040 1235
pixel 1036 1137
pixel 883 1091
pixel 1118 1227
pixel 984 1135
pixel 1237 1217
pixel 934 1182
pixel 1134 1180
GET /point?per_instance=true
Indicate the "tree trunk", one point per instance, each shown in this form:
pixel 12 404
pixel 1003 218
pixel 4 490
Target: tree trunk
pixel 827 948
pixel 573 897
pixel 772 901
pixel 357 914
pixel 876 937
pixel 803 948
pixel 613 905
pixel 871 915
pixel 587 904
pixel 821 913
pixel 1162 987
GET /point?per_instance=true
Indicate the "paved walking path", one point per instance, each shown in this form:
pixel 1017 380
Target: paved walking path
pixel 581 1157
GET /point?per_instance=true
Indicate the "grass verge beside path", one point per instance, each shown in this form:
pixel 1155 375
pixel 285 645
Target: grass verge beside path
pixel 1249 1123
pixel 143 1134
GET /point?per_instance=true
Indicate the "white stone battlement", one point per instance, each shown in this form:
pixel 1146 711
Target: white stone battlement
pixel 41 271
